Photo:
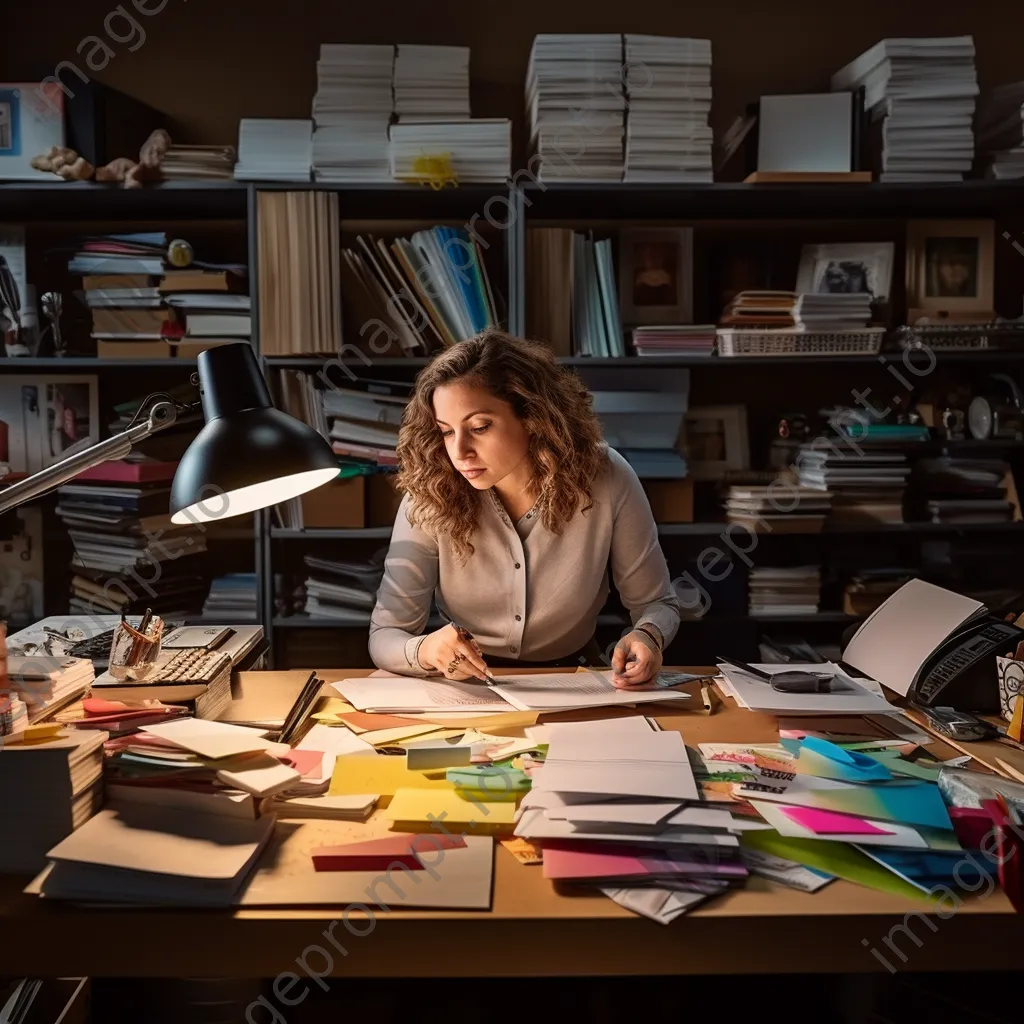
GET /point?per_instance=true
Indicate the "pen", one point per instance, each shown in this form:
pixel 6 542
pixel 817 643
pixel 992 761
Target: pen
pixel 466 637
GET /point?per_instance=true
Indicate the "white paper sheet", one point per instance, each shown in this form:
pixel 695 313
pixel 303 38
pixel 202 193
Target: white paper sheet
pixel 389 694
pixel 758 694
pixel 564 690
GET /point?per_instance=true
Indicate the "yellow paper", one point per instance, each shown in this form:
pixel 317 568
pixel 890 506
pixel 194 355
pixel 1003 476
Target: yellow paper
pixel 382 773
pixel 441 734
pixel 499 724
pixel 411 807
pixel 37 733
pixel 328 710
pixel 381 737
pixel 1016 726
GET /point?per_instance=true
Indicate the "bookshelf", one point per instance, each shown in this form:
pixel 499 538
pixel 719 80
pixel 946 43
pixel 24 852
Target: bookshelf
pixel 727 208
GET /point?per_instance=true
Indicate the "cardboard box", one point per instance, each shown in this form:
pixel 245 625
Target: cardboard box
pixel 382 500
pixel 671 500
pixel 337 505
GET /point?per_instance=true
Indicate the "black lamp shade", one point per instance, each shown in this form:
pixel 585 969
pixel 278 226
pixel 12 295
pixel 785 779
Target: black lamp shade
pixel 248 455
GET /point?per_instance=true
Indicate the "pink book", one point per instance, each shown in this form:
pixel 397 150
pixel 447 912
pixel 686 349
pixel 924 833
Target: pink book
pixel 564 863
pixel 121 472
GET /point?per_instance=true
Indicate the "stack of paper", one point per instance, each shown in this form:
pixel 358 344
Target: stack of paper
pixel 274 149
pixel 865 487
pixel 925 89
pixel 794 590
pixel 475 150
pixel 792 509
pixel 1000 130
pixel 675 339
pixel 432 83
pixel 569 76
pixel 848 696
pixel 832 311
pixel 47 684
pixel 616 806
pixel 47 790
pixel 153 856
pixel 352 109
pixel 668 88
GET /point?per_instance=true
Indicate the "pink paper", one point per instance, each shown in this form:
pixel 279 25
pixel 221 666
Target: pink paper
pixel 830 823
pixel 305 762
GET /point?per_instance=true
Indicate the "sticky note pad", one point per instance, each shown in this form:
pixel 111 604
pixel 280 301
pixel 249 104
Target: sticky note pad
pixel 382 773
pixel 415 809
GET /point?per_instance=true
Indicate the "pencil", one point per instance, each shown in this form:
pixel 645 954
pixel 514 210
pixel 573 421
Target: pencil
pixel 466 637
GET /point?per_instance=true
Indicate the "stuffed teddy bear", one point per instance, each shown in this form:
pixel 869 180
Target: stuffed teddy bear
pixel 64 162
pixel 132 173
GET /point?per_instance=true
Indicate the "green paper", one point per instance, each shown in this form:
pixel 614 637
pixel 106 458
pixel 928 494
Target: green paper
pixel 901 766
pixel 839 859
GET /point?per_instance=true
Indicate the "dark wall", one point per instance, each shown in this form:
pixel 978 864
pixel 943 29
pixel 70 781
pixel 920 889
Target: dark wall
pixel 206 63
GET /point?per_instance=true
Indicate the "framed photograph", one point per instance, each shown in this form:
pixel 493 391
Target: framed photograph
pixel 847 268
pixel 950 269
pixel 716 440
pixel 656 275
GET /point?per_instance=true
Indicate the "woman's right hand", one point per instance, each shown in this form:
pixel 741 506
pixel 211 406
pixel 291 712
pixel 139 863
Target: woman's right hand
pixel 444 652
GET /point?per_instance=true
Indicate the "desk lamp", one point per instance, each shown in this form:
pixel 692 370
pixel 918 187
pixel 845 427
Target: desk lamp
pixel 248 455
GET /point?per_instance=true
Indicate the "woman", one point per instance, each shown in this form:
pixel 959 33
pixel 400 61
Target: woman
pixel 513 509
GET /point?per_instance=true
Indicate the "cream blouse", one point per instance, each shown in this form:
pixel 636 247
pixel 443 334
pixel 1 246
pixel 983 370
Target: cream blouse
pixel 525 592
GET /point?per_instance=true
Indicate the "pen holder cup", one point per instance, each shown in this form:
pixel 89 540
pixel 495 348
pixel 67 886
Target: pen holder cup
pixel 133 654
pixel 1011 683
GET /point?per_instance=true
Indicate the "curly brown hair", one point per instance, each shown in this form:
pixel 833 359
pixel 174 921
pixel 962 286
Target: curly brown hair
pixel 565 441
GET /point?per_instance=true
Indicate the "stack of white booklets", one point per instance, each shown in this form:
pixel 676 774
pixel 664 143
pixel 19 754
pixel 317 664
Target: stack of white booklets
pixel 1000 128
pixel 480 149
pixel 832 311
pixel 790 590
pixel 47 684
pixel 432 83
pixel 926 89
pixel 668 88
pixel 274 149
pixel 352 109
pixel 576 106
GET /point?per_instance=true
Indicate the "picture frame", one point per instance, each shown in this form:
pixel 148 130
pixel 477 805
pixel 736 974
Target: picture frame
pixel 716 440
pixel 656 276
pixel 847 267
pixel 950 269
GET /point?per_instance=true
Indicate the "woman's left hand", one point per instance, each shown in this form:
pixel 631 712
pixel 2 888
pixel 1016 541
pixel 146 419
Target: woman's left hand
pixel 635 663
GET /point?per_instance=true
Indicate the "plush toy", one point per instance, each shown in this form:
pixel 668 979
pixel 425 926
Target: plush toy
pixel 64 162
pixel 134 173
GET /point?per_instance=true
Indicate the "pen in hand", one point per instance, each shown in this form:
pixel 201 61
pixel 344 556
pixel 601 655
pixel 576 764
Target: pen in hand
pixel 466 637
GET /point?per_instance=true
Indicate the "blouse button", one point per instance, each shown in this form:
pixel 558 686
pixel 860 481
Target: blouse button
pixel 517 565
pixel 519 618
pixel 513 649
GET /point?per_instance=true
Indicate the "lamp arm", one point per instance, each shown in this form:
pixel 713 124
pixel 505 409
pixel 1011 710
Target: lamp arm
pixel 162 414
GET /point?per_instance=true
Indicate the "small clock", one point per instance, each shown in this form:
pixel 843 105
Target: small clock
pixel 994 416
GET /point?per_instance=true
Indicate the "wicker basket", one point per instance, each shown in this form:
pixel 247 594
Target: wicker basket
pixel 736 342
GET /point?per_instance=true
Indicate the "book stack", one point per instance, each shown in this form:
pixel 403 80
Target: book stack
pixel 1000 131
pixel 467 151
pixel 668 91
pixel 47 684
pixel 352 109
pixel 832 311
pixel 274 149
pixel 865 488
pixel 209 307
pixel 957 490
pixel 569 75
pixel 784 591
pixel 789 509
pixel 675 340
pixel 433 289
pixel 926 90
pixel 342 591
pixel 232 598
pixel 298 239
pixel 198 163
pixel 615 806
pixel 117 519
pixel 755 308
pixel 47 790
pixel 431 83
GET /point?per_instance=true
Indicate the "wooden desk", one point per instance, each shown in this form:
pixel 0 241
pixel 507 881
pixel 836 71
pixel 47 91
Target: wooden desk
pixel 530 931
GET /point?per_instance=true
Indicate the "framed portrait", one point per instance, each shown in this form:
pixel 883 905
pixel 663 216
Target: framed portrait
pixel 716 440
pixel 847 268
pixel 950 269
pixel 656 275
